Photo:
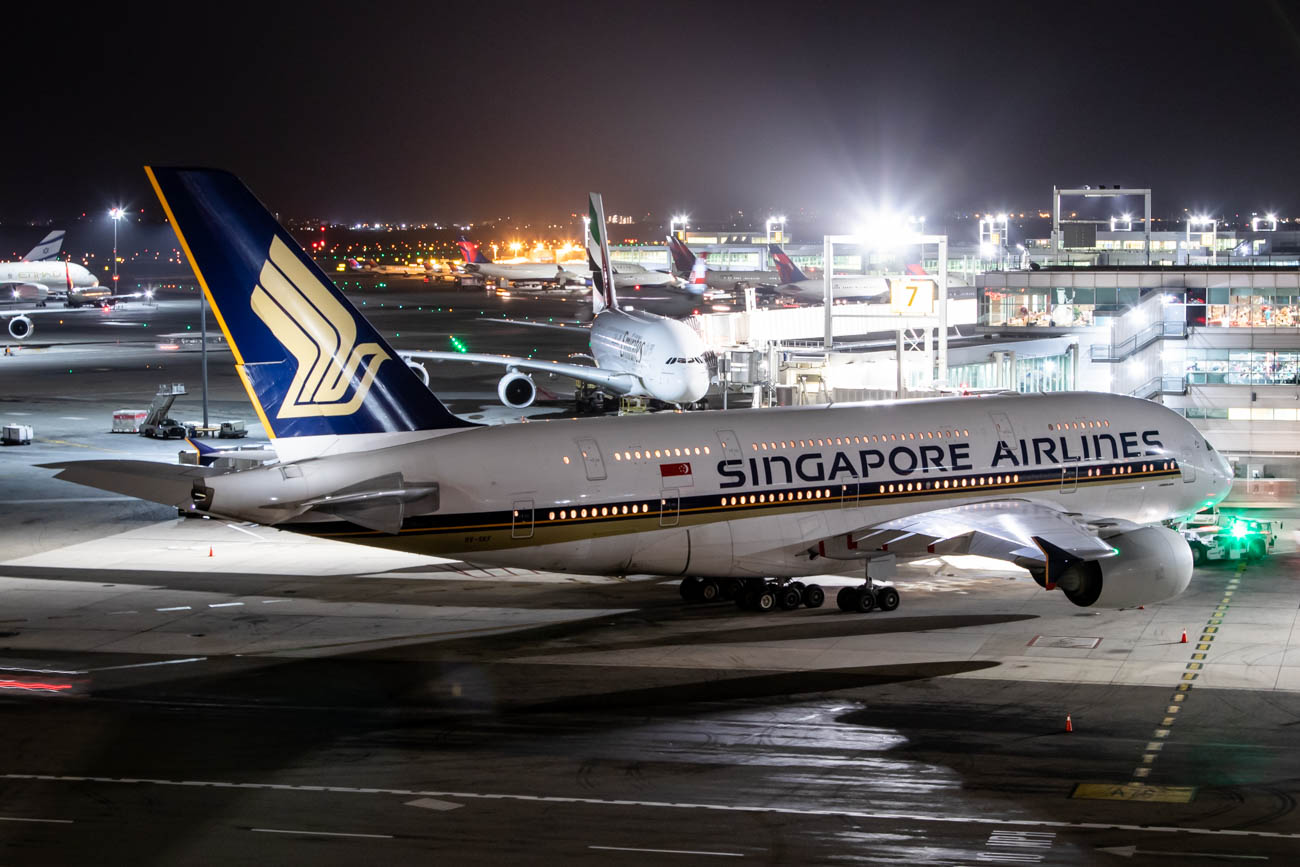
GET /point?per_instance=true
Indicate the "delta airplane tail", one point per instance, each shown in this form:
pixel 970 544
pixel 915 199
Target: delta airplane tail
pixel 312 365
pixel 602 271
pixel 683 258
pixel 787 270
pixel 470 250
pixel 699 276
pixel 48 248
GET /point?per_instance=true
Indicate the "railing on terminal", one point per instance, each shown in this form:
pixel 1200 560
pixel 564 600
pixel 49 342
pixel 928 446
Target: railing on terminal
pixel 1163 330
pixel 1161 385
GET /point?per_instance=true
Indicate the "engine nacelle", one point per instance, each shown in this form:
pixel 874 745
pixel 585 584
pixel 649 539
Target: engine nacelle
pixel 419 370
pixel 516 390
pixel 1153 564
pixel 20 327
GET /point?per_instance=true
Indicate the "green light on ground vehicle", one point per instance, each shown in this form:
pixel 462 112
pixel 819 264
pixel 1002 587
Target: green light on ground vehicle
pixel 1239 530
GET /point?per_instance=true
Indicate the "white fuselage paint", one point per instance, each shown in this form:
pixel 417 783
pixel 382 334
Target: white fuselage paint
pixel 844 288
pixel 652 349
pixel 36 281
pixel 625 276
pixel 535 495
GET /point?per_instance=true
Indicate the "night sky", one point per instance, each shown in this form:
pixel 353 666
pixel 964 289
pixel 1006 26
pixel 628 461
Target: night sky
pixel 465 111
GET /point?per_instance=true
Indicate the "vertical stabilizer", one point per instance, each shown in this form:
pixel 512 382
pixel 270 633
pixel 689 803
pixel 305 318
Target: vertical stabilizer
pixel 48 248
pixel 602 270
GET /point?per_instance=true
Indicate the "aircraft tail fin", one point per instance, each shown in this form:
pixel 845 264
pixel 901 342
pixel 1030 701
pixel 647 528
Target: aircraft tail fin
pixel 312 364
pixel 48 248
pixel 683 258
pixel 471 252
pixel 787 270
pixel 602 269
pixel 699 276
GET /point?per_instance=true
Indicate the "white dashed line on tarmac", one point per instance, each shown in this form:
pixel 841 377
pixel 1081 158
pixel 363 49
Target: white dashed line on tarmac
pixel 673 805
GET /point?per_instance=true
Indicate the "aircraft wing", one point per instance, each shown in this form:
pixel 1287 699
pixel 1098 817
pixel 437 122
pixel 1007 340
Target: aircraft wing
pixel 619 383
pixel 170 484
pixel 1028 534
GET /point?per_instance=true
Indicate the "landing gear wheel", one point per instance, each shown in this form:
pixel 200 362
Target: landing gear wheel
pixel 1257 550
pixel 689 589
pixel 747 599
pixel 1198 554
pixel 865 600
pixel 814 596
pixel 731 589
pixel 789 598
pixel 709 591
pixel 887 598
pixel 846 599
pixel 765 599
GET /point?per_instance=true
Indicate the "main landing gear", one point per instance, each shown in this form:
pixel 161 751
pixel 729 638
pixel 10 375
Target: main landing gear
pixel 870 597
pixel 754 594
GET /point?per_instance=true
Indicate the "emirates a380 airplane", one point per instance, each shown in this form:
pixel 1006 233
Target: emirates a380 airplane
pixel 1069 486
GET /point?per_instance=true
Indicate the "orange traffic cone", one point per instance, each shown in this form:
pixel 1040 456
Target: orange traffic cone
pixel 1069 724
pixel 1183 640
pixel 210 554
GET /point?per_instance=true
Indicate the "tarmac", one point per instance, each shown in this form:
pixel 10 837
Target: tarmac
pixel 194 691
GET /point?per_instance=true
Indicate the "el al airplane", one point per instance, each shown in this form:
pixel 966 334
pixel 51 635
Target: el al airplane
pixel 636 352
pixel 687 263
pixel 38 275
pixel 626 276
pixel 1069 486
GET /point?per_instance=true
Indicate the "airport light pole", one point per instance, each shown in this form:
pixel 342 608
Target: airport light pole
pixel 1213 225
pixel 672 224
pixel 116 214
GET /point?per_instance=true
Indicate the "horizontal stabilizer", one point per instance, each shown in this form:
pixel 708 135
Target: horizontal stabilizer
pixel 169 484
pixel 381 503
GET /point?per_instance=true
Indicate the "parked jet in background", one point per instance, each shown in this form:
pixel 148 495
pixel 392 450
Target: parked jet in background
pixel 626 275
pixel 1070 486
pixel 687 263
pixel 38 276
pixel 798 286
pixel 416 269
pixel 637 353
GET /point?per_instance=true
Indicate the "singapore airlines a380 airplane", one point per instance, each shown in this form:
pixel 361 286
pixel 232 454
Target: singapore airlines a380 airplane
pixel 1069 486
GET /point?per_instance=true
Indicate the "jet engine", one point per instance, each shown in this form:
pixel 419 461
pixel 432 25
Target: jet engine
pixel 419 370
pixel 1153 564
pixel 20 328
pixel 516 390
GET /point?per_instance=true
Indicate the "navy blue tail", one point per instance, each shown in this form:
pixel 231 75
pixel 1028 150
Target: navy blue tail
pixel 311 363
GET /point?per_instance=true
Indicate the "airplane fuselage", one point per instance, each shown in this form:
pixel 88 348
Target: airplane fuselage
pixel 36 281
pixel 740 493
pixel 665 355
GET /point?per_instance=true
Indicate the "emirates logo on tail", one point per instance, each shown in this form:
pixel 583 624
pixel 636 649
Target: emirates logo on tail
pixel 334 373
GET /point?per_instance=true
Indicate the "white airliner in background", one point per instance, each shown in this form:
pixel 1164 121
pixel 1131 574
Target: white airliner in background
pixel 417 269
pixel 637 353
pixel 798 286
pixel 696 270
pixel 39 276
pixel 626 275
pixel 1069 486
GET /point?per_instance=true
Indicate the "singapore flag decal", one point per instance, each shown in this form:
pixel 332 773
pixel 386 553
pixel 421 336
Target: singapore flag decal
pixel 676 475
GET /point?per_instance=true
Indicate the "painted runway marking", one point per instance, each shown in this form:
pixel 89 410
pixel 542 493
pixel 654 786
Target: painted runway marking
pixel 25 819
pixel 176 608
pixel 433 804
pixel 667 851
pixel 320 833
pixel 73 418
pixel 245 530
pixel 223 604
pixel 151 664
pixel 670 805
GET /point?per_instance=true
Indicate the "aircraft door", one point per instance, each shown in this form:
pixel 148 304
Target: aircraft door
pixel 669 507
pixel 1069 477
pixel 730 445
pixel 591 459
pixel 521 524
pixel 849 495
pixel 1005 431
pixel 1188 468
